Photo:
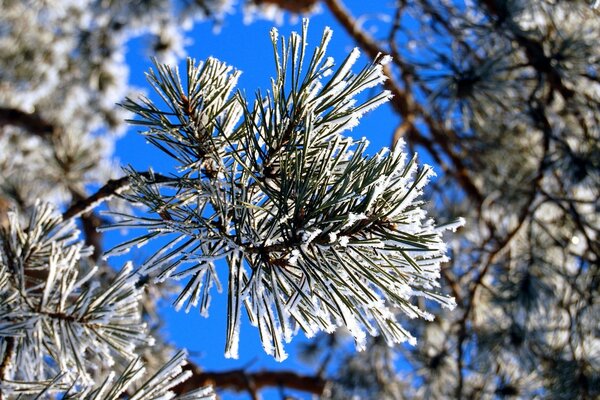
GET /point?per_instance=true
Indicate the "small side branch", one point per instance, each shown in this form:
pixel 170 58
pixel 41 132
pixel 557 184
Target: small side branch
pixel 243 381
pixel 31 122
pixel 110 189
pixel 6 360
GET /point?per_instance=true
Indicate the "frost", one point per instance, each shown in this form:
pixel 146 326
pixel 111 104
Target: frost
pixel 353 218
pixel 452 227
pixel 293 259
pixel 309 236
pixel 386 59
pixel 350 61
pixel 327 70
pixel 108 320
pixel 286 235
pixel 332 237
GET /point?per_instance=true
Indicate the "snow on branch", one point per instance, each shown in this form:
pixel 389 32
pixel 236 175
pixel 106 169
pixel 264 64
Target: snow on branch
pixel 163 384
pixel 60 332
pixel 53 314
pixel 316 233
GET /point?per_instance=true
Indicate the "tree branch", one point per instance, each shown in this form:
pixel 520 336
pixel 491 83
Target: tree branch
pixel 241 381
pixel 8 356
pixel 534 50
pixel 31 122
pixel 407 107
pixel 83 207
pixel 524 214
pixel 110 189
pixel 293 6
pixel 36 125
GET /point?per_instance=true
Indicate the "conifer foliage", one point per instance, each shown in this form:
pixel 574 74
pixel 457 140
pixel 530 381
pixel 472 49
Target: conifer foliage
pixel 60 331
pixel 315 233
pixel 304 228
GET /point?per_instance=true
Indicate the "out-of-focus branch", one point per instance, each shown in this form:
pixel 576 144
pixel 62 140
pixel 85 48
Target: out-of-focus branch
pixel 31 122
pixel 294 6
pixel 405 105
pixel 8 355
pixel 82 205
pixel 534 50
pixel 90 221
pixel 252 382
pixel 524 214
pixel 402 101
pixel 36 125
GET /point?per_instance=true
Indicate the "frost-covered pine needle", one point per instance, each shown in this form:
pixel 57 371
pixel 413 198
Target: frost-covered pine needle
pixel 316 233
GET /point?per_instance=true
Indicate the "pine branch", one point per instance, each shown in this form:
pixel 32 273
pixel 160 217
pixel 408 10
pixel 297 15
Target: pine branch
pixel 316 233
pixel 111 188
pixel 43 279
pixel 37 125
pixel 243 381
pixel 534 50
pixel 524 214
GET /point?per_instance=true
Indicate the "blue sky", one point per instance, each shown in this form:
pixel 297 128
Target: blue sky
pixel 247 48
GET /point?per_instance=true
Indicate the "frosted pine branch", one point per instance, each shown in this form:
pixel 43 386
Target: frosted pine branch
pixel 133 382
pixel 52 310
pixel 316 233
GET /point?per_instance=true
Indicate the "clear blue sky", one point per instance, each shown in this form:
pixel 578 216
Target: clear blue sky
pixel 247 48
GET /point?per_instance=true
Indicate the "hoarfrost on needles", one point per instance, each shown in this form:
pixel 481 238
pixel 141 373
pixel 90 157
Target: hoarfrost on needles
pixel 316 233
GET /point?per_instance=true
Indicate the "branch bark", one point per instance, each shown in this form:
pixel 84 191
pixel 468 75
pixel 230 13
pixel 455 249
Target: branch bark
pixel 8 356
pixel 243 381
pixel 31 122
pixel 110 189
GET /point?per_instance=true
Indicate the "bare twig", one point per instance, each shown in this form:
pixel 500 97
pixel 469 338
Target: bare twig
pixel 242 381
pixel 32 122
pixel 110 189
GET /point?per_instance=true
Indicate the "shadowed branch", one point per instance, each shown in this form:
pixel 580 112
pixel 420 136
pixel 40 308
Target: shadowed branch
pixel 252 382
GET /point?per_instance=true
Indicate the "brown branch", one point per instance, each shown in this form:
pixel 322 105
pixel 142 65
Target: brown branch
pixel 31 122
pixel 90 222
pixel 110 189
pixel 293 6
pixel 402 101
pixel 8 356
pixel 243 381
pixel 82 207
pixel 405 105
